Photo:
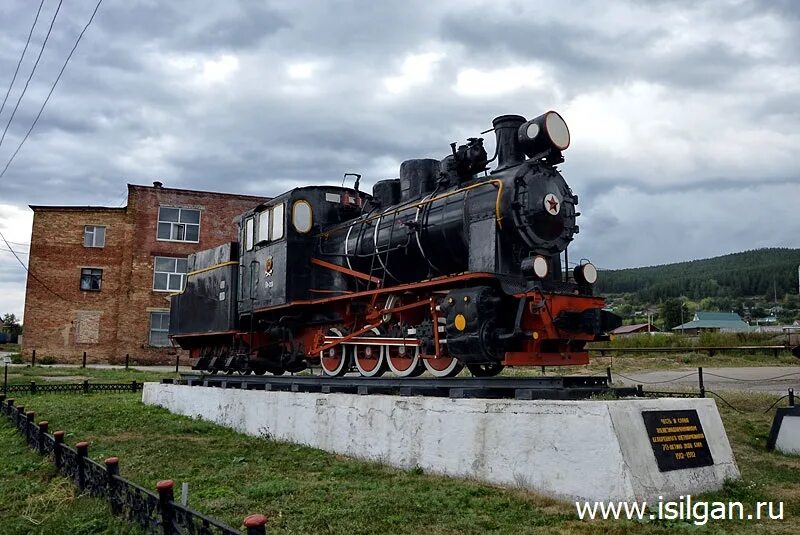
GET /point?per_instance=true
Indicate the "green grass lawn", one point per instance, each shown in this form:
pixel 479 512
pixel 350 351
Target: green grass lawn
pixel 34 498
pixel 305 490
pixel 50 374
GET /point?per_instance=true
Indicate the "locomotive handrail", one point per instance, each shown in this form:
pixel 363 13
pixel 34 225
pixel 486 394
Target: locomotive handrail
pixel 198 271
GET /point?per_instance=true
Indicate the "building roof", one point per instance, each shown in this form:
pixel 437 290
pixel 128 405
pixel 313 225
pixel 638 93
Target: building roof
pixel 727 321
pixel 627 329
pixel 197 191
pixel 63 208
pixel 156 185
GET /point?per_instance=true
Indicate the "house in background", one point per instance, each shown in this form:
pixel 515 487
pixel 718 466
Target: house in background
pixel 639 328
pixel 726 322
pixel 100 277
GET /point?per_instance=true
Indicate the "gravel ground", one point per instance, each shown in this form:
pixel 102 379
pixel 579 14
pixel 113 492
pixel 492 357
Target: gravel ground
pixel 770 379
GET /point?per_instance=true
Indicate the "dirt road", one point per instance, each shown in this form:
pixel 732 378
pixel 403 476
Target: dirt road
pixel 772 379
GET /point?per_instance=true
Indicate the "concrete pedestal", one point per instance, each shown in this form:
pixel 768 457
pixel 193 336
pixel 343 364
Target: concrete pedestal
pixel 785 433
pixel 587 450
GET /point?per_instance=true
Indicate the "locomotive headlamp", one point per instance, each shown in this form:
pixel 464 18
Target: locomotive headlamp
pixel 548 131
pixel 537 267
pixel 540 266
pixel 585 273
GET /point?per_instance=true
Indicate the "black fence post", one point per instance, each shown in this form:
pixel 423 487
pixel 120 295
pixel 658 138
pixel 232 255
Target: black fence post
pixel 608 374
pixel 5 380
pixel 791 397
pixel 84 360
pixel 112 469
pixel 134 386
pixel 83 451
pixel 43 426
pixel 29 416
pixel 177 362
pixel 86 386
pixel 165 497
pixel 33 358
pixel 127 360
pixel 19 416
pixel 58 436
pixel 700 381
pixel 256 525
pixel 33 387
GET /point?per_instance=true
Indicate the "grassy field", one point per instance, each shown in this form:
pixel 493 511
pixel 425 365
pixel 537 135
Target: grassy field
pixel 50 374
pixel 304 490
pixel 34 498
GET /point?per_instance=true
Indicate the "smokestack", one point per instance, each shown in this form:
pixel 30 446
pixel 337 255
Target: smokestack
pixel 509 151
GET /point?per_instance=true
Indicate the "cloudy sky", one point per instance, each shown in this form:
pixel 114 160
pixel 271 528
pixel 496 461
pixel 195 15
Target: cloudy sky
pixel 685 115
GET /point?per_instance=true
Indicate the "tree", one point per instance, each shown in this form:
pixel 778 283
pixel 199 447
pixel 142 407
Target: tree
pixel 11 325
pixel 673 312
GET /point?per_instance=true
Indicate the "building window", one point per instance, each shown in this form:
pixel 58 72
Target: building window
pixel 169 274
pixel 159 329
pixel 94 236
pixel 91 279
pixel 178 224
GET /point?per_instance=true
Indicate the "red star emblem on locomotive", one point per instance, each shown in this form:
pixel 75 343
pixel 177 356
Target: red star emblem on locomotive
pixel 551 204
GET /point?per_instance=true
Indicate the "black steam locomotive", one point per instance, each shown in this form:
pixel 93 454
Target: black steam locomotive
pixel 449 265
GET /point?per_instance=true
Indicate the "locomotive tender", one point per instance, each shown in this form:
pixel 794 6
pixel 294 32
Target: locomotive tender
pixel 450 265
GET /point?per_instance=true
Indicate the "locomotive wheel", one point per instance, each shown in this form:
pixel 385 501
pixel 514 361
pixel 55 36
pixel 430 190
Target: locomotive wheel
pixel 404 361
pixel 485 369
pixel 370 360
pixel 443 367
pixel 335 361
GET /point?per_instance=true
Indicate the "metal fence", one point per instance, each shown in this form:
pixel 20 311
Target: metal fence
pixel 157 512
pixel 77 388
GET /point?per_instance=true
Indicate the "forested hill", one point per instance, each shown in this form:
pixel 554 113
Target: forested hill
pixel 750 273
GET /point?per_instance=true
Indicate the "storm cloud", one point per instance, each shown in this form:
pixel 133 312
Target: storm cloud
pixel 684 115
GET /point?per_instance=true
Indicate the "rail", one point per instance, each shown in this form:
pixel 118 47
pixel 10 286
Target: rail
pixel 538 387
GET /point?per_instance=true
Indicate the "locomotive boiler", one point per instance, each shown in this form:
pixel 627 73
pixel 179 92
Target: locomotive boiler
pixel 452 264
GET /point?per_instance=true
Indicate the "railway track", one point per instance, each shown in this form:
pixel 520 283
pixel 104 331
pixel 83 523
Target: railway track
pixel 544 387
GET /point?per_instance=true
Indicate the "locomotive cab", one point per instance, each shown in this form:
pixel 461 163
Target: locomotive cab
pixel 278 244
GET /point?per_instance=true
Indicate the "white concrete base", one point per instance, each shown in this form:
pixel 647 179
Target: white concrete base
pixel 789 436
pixel 785 433
pixel 588 450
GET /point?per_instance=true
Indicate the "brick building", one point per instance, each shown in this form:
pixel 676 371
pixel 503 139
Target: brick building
pixel 100 278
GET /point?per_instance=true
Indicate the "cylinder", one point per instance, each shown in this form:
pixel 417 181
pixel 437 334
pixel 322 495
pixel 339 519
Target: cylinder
pixel 418 177
pixel 387 192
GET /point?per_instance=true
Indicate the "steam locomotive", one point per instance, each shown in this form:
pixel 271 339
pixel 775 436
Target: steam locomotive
pixel 449 265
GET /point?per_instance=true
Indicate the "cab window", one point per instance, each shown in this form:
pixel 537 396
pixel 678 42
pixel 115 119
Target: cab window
pixel 248 234
pixel 277 222
pixel 263 226
pixel 301 216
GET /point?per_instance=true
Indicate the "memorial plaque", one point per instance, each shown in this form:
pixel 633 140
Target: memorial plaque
pixel 678 439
